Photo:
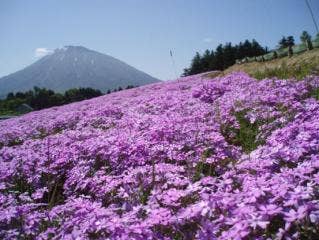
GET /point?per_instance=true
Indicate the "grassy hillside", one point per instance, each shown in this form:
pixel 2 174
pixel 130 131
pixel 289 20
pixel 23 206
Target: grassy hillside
pixel 297 66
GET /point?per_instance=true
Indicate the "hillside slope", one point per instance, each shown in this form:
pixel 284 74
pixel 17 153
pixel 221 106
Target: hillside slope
pixel 224 158
pixel 298 66
pixel 74 67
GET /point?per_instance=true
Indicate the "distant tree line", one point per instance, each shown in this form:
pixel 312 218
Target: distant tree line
pixel 289 41
pixel 224 56
pixel 120 89
pixel 39 98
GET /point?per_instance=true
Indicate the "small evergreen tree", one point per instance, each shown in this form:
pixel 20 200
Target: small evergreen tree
pixel 219 57
pixel 290 41
pixel 228 55
pixel 283 43
pixel 287 42
pixel 196 65
pixel 306 39
pixel 10 96
pixel 257 49
pixel 247 49
pixel 206 59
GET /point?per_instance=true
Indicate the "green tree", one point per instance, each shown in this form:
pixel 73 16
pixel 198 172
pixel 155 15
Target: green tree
pixel 229 53
pixel 56 99
pixel 196 65
pixel 239 51
pixel 286 42
pixel 247 49
pixel 79 94
pixel 206 59
pixel 130 86
pixel 306 39
pixel 290 43
pixel 283 43
pixel 10 96
pixel 41 97
pixel 20 95
pixel 257 49
pixel 212 62
pixel 219 57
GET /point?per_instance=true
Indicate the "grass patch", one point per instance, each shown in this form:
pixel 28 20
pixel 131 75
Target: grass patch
pixel 315 93
pixel 246 135
pixel 284 71
pixel 298 66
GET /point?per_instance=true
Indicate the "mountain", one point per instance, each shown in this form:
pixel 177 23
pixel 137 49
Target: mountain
pixel 72 67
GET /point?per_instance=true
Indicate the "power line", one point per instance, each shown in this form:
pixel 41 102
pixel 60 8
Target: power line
pixel 313 18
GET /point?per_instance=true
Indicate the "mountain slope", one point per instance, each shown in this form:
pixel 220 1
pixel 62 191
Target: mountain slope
pixel 75 66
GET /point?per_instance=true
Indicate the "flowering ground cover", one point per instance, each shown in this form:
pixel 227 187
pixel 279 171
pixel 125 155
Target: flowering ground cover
pixel 223 158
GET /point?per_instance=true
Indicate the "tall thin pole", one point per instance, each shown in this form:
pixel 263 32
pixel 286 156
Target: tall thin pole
pixel 313 18
pixel 174 66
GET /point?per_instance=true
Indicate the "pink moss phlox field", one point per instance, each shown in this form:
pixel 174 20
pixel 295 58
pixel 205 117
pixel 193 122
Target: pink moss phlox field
pixel 224 158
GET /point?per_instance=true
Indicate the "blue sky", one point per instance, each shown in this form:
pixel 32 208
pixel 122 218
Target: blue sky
pixel 142 32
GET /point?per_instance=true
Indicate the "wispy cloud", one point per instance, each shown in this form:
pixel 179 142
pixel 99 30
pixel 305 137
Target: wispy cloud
pixel 40 52
pixel 208 40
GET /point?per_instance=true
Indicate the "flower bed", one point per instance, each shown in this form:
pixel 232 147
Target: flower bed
pixel 223 158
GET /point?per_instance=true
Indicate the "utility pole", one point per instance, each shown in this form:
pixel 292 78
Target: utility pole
pixel 173 62
pixel 313 18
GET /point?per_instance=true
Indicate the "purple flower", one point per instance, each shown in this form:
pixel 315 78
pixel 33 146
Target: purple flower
pixel 166 160
pixel 294 215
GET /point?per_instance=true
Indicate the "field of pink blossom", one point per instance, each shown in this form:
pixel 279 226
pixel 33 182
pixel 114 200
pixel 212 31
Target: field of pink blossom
pixel 224 158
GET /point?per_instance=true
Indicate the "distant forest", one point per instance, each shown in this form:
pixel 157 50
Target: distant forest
pixel 40 98
pixel 224 56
